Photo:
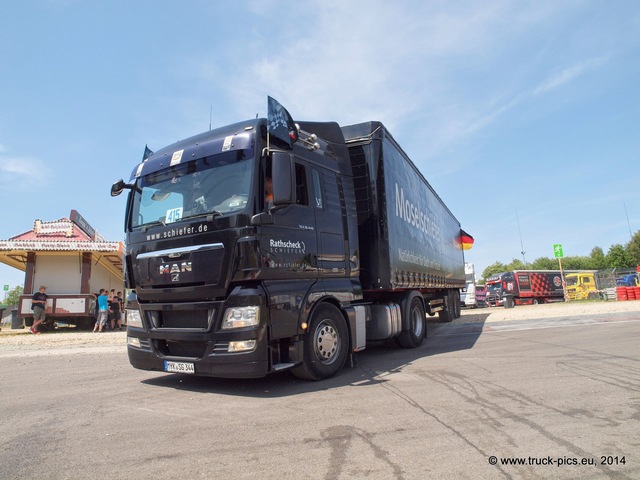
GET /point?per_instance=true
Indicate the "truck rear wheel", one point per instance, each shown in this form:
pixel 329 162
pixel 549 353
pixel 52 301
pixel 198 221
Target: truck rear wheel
pixel 413 309
pixel 447 314
pixel 457 304
pixel 326 345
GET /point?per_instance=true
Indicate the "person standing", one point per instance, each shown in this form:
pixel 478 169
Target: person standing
pixel 115 310
pixel 39 306
pixel 111 321
pixel 268 197
pixel 103 310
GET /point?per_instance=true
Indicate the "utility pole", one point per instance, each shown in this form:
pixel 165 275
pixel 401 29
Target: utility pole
pixel 627 214
pixel 524 261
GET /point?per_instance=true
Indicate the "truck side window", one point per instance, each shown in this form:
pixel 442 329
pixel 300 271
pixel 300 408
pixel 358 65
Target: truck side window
pixel 302 196
pixel 317 189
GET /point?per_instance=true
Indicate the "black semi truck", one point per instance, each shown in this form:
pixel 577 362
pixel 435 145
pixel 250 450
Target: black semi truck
pixel 250 255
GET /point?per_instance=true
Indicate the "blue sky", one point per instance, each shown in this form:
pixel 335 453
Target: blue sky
pixel 512 110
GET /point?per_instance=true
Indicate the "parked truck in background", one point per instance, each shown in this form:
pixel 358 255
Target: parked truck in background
pixel 584 285
pixel 525 287
pixel 468 296
pixel 628 280
pixel 598 284
pixel 481 295
pixel 251 253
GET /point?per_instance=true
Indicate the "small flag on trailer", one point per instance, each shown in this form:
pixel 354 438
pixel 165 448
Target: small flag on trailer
pixel 465 240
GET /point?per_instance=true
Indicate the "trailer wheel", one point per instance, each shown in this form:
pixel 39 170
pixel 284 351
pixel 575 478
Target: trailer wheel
pixel 457 304
pixel 326 345
pixel 413 309
pixel 447 314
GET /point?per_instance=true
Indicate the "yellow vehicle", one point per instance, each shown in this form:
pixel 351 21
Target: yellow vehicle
pixel 584 285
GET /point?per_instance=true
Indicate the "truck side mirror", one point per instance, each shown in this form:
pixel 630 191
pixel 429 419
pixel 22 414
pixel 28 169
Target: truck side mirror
pixel 282 177
pixel 117 188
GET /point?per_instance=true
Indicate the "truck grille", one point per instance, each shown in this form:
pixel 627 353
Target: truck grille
pixel 181 349
pixel 196 319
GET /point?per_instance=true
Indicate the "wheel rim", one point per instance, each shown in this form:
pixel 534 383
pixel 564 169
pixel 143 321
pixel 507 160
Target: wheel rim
pixel 417 322
pixel 326 342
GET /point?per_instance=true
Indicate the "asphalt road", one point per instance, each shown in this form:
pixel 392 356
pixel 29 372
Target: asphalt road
pixel 537 398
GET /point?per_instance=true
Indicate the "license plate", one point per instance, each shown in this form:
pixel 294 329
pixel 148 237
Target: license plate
pixel 179 367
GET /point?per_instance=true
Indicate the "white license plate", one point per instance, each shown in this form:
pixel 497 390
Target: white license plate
pixel 179 367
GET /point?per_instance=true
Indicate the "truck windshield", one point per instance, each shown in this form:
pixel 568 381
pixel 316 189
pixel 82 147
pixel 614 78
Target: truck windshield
pixel 572 281
pixel 217 185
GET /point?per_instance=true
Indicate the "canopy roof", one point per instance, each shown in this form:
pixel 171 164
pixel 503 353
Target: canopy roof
pixel 62 236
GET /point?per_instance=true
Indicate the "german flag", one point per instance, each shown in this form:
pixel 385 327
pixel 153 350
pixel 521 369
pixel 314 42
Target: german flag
pixel 465 240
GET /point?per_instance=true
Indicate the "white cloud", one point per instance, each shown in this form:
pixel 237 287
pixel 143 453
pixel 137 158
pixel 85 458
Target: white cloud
pixel 567 75
pixel 430 64
pixel 19 168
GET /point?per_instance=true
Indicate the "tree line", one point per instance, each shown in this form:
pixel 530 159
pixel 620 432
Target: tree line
pixel 12 297
pixel 619 257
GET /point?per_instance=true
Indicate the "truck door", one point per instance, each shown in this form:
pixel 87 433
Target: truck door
pixel 289 243
pixel 331 259
pixel 289 247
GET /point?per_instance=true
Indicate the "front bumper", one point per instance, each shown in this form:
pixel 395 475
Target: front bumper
pixel 192 333
pixel 253 364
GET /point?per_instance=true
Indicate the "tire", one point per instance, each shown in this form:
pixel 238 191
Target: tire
pixel 85 323
pixel 326 345
pixel 535 301
pixel 457 304
pixel 446 315
pixel 414 314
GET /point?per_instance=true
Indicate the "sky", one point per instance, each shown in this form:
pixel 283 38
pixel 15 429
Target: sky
pixel 523 115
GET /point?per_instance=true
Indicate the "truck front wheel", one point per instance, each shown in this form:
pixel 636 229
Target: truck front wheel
pixel 326 345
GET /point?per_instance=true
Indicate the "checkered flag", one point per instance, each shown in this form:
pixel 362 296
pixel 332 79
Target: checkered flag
pixel 280 124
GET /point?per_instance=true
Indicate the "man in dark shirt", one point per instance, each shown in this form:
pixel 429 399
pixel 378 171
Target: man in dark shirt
pixel 115 309
pixel 38 305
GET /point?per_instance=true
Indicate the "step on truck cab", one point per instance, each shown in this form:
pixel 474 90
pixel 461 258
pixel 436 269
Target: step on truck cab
pixel 250 254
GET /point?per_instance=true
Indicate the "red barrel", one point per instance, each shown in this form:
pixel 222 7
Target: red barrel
pixel 621 293
pixel 631 293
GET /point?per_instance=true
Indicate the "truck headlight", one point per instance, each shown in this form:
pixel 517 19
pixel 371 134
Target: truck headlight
pixel 239 317
pixel 133 318
pixel 242 346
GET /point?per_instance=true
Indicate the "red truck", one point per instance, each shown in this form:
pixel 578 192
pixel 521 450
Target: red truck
pixel 525 287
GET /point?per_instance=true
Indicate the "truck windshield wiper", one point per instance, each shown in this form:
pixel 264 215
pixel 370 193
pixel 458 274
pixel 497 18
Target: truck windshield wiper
pixel 213 213
pixel 155 222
